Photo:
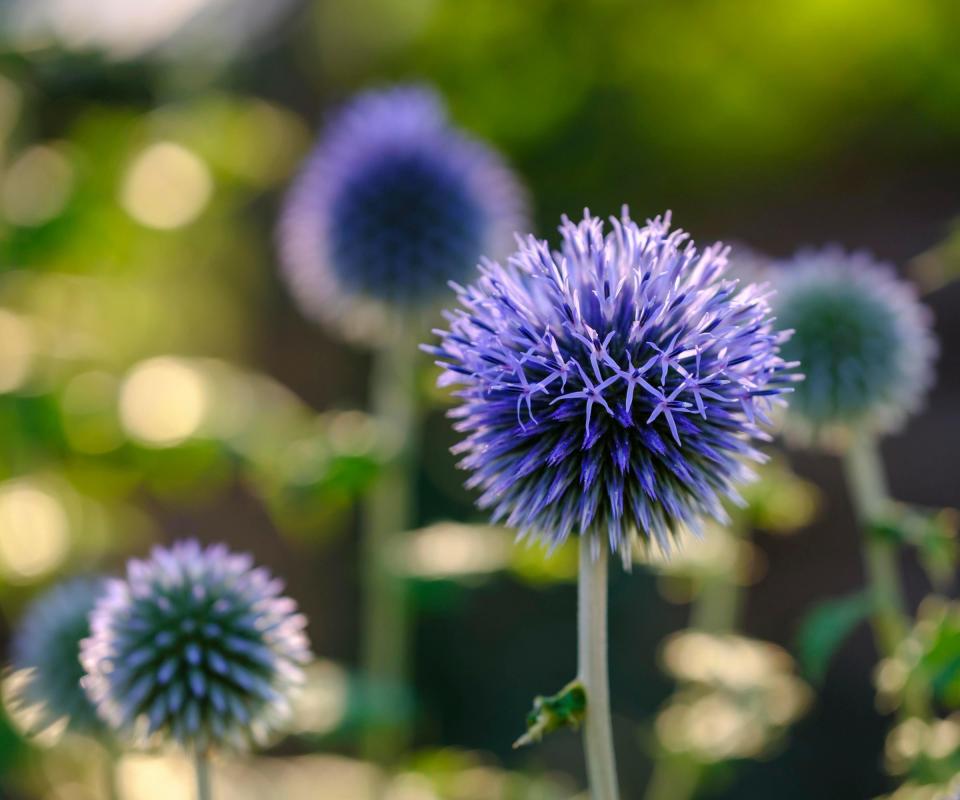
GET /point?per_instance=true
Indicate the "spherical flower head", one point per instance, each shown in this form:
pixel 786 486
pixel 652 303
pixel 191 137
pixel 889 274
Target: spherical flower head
pixel 393 203
pixel 863 339
pixel 196 645
pixel 613 388
pixel 45 653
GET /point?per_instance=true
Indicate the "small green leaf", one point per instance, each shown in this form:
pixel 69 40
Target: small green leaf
pixel 825 629
pixel 890 528
pixel 565 709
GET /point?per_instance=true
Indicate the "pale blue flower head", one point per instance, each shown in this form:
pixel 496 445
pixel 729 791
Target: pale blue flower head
pixel 196 645
pixel 45 653
pixel 613 388
pixel 393 202
pixel 863 338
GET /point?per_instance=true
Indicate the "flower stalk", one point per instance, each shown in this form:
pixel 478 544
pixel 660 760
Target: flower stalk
pixel 716 609
pixel 388 512
pixel 868 492
pixel 110 788
pixel 890 621
pixel 593 669
pixel 201 765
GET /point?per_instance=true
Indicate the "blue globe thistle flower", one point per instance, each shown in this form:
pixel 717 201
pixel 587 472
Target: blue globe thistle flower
pixel 612 388
pixel 197 645
pixel 393 203
pixel 46 648
pixel 862 336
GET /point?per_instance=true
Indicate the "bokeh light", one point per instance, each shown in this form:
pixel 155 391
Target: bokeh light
pixel 17 352
pixel 34 530
pixel 732 661
pixel 163 401
pixel 450 550
pixel 210 29
pixel 322 703
pixel 736 700
pixel 166 187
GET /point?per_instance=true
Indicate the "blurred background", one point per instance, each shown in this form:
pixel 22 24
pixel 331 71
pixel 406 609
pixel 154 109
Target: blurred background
pixel 156 380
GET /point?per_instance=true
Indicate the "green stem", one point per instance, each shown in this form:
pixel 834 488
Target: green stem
pixel 890 621
pixel 202 767
pixel 673 778
pixel 715 609
pixel 593 671
pixel 388 511
pixel 110 773
pixel 868 492
pixel 717 605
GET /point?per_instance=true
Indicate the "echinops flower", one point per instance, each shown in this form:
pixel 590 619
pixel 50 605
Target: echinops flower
pixel 393 203
pixel 45 651
pixel 862 336
pixel 614 388
pixel 196 645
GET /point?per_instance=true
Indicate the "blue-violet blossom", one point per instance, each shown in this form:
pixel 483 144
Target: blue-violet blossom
pixel 614 388
pixel 196 645
pixel 393 202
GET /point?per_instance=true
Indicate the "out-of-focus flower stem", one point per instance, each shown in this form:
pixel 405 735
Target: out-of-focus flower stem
pixel 715 609
pixel 387 512
pixel 673 779
pixel 110 757
pixel 868 491
pixel 593 671
pixel 201 765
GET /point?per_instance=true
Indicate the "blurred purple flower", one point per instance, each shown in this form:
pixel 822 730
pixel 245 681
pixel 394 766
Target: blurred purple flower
pixel 612 388
pixel 196 644
pixel 393 203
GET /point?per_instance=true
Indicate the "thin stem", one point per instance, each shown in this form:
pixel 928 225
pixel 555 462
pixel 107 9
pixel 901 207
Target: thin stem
pixel 868 493
pixel 388 511
pixel 593 671
pixel 715 609
pixel 673 778
pixel 891 623
pixel 110 773
pixel 717 605
pixel 202 767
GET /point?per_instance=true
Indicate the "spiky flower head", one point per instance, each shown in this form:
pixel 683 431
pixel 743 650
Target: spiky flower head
pixel 863 338
pixel 45 653
pixel 613 388
pixel 393 203
pixel 196 645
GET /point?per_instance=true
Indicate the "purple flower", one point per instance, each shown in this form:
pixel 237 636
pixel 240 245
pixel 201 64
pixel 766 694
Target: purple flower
pixel 393 203
pixel 196 645
pixel 612 388
pixel 863 337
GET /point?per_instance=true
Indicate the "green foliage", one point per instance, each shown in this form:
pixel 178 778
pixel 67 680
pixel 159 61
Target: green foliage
pixel 825 629
pixel 935 653
pixel 565 709
pixel 927 752
pixel 933 532
pixel 12 747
